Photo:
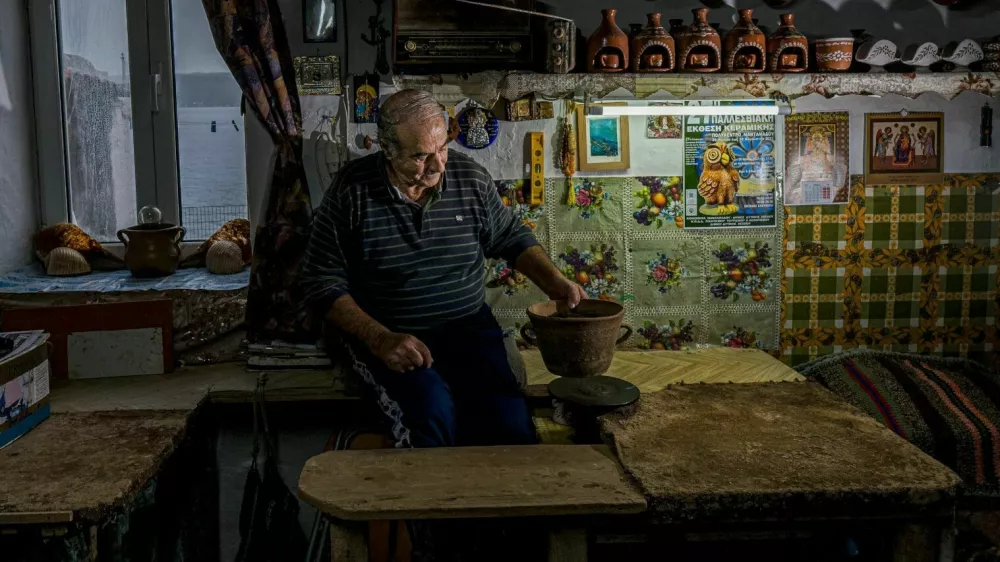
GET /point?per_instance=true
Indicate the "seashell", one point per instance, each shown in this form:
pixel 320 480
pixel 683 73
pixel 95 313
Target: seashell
pixel 224 257
pixel 877 53
pixel 924 54
pixel 962 53
pixel 63 262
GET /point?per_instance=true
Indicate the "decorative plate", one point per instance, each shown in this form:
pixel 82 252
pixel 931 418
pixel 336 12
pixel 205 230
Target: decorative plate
pixel 477 127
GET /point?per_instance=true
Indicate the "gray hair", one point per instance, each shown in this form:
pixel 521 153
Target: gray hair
pixel 405 106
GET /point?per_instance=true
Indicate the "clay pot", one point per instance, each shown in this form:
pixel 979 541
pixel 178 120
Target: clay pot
pixel 607 48
pixel 653 48
pixel 788 50
pixel 834 55
pixel 580 343
pixel 152 250
pixel 699 47
pixel 745 45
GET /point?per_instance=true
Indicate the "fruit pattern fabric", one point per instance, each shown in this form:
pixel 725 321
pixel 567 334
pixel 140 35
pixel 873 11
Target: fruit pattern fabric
pixel 896 268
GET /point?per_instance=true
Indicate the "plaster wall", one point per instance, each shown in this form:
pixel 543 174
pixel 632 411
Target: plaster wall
pixel 18 195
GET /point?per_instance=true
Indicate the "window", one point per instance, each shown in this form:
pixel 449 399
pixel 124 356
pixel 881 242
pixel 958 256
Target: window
pixel 134 109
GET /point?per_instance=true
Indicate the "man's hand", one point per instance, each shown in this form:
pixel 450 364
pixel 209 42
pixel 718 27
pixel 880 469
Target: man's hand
pixel 401 352
pixel 564 289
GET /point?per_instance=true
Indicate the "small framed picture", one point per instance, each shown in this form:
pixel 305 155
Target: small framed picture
pixel 904 149
pixel 318 76
pixel 319 21
pixel 602 142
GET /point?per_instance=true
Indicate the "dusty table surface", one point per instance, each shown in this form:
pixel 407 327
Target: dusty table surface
pixel 747 452
pixel 655 370
pixel 81 465
pixel 516 481
pixel 108 437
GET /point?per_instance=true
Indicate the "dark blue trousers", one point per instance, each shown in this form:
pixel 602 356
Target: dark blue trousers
pixel 469 396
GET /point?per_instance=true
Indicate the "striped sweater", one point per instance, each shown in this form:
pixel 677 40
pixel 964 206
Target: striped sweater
pixel 410 266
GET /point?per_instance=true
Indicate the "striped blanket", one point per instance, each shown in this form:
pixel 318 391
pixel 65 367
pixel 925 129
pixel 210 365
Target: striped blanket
pixel 948 407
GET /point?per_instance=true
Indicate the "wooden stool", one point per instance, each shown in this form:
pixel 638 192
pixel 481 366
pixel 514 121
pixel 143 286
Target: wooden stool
pixel 551 481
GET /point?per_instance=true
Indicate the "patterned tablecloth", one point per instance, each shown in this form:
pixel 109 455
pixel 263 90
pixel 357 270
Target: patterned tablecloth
pixel 205 306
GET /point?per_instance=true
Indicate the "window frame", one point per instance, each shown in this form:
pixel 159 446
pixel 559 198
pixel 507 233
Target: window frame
pixel 154 116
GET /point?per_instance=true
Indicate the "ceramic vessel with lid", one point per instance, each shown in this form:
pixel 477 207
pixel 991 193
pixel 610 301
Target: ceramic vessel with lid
pixel 152 249
pixel 699 47
pixel 745 45
pixel 607 47
pixel 652 48
pixel 787 49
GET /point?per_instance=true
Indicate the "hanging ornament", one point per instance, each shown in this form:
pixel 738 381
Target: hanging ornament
pixel 478 127
pixel 986 126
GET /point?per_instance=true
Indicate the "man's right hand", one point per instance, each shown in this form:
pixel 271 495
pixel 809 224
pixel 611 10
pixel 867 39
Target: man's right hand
pixel 401 352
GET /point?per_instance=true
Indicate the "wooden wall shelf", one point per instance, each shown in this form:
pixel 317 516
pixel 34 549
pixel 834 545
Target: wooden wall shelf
pixel 488 87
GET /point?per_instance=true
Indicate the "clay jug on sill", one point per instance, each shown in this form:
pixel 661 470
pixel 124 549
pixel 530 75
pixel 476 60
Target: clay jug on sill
pixel 607 47
pixel 745 45
pixel 152 250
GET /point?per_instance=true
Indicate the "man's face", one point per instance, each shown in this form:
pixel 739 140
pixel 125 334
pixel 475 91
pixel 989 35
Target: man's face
pixel 423 152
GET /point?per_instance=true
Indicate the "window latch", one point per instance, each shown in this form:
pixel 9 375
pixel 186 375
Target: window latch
pixel 156 89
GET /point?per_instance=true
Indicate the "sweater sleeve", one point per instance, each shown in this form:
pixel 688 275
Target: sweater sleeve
pixel 324 276
pixel 506 236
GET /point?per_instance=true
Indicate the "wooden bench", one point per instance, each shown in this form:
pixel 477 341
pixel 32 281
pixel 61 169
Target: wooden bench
pixel 560 481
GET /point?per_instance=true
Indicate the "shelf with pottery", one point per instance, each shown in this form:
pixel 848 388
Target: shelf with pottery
pixel 488 87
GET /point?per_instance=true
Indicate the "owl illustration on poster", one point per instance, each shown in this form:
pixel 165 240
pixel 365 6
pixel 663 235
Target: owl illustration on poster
pixel 366 98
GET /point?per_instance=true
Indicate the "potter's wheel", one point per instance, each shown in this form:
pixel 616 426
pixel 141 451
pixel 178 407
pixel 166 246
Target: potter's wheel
pixel 599 391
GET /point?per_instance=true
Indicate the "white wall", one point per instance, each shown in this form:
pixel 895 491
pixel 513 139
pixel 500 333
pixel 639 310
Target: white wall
pixel 18 192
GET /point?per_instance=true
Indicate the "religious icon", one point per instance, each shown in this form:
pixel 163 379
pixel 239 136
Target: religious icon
pixel 904 148
pixel 366 98
pixel 816 152
pixel 478 127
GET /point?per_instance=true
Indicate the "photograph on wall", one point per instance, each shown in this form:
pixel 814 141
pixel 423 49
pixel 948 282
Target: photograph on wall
pixel 817 151
pixel 663 126
pixel 904 149
pixel 602 142
pixel 729 171
pixel 366 98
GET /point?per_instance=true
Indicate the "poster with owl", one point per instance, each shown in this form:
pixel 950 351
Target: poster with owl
pixel 729 177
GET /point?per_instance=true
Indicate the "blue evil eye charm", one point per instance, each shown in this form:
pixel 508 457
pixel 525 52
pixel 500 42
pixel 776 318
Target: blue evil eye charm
pixel 477 128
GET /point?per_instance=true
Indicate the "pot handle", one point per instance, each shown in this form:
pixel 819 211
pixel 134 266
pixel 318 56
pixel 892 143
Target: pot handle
pixel 122 237
pixel 628 333
pixel 181 231
pixel 532 340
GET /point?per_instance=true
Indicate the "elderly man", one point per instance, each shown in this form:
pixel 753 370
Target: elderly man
pixel 397 263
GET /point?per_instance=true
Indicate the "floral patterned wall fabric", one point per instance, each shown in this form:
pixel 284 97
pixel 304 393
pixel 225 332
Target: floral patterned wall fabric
pixel 898 268
pixel 622 239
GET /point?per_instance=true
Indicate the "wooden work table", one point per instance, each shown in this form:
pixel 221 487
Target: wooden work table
pixel 107 437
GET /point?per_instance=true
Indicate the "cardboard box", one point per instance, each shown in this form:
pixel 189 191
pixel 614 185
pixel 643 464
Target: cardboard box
pixel 24 392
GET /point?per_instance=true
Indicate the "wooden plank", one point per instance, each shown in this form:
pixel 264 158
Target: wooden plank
pixel 35 517
pixel 567 545
pixel 465 482
pixel 347 542
pixel 651 371
pixel 749 452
